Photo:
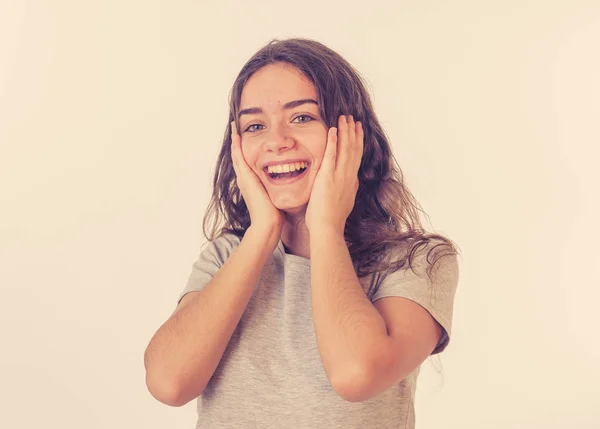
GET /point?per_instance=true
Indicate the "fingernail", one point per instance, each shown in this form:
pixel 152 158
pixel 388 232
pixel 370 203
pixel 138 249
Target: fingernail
pixel 351 118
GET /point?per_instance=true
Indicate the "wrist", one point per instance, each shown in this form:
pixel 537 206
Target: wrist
pixel 326 232
pixel 265 235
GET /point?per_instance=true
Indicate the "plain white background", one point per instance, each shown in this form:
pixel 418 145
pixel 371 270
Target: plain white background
pixel 111 117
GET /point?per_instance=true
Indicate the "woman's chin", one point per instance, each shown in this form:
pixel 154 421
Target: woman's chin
pixel 291 206
pixel 299 210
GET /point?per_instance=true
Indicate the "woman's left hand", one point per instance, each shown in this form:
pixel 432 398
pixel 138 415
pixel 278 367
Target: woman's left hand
pixel 334 190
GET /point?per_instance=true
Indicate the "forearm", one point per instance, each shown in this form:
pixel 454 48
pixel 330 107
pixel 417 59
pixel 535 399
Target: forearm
pixel 347 325
pixel 184 353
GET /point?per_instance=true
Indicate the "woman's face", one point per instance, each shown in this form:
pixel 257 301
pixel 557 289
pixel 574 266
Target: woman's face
pixel 277 133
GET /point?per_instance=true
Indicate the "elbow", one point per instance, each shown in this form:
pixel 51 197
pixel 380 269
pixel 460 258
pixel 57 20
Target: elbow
pixel 170 387
pixel 163 391
pixel 164 386
pixel 351 388
pixel 351 393
pixel 168 392
pixel 369 381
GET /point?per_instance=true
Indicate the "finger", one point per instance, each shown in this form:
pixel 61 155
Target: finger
pixel 351 132
pixel 235 149
pixel 342 146
pixel 328 162
pixel 350 151
pixel 360 143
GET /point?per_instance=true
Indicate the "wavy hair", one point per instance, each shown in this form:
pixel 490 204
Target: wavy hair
pixel 385 216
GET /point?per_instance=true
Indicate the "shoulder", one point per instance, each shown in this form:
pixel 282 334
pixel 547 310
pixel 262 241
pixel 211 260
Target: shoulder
pixel 227 240
pixel 220 248
pixel 420 267
pixel 429 257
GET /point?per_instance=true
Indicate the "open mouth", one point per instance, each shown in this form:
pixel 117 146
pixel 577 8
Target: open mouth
pixel 288 171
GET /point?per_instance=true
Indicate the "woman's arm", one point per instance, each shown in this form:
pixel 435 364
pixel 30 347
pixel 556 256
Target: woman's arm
pixel 185 351
pixel 348 327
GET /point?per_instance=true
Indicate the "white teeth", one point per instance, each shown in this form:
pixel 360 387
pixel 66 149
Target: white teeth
pixel 286 168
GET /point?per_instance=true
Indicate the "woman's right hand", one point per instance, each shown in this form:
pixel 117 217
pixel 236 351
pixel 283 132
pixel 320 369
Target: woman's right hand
pixel 264 216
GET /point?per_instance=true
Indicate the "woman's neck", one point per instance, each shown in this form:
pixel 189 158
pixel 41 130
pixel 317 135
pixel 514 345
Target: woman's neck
pixel 294 235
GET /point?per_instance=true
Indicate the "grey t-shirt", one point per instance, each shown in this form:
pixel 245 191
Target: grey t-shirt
pixel 271 375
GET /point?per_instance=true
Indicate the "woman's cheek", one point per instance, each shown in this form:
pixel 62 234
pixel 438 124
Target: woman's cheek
pixel 250 156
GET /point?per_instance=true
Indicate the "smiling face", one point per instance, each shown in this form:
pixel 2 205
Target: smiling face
pixel 280 122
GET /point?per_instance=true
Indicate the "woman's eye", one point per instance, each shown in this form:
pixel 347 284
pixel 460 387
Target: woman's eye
pixel 303 119
pixel 252 130
pixel 308 118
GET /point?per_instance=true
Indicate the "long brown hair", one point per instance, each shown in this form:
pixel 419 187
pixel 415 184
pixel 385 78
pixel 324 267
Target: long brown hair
pixel 385 215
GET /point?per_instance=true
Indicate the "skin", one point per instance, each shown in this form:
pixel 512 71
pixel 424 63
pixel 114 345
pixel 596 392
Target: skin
pixel 323 199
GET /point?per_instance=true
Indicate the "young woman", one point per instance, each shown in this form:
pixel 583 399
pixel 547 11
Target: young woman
pixel 319 293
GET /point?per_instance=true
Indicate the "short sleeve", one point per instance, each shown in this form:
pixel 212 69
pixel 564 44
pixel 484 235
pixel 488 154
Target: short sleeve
pixel 211 259
pixel 436 295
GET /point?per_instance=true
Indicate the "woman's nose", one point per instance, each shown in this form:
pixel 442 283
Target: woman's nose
pixel 278 139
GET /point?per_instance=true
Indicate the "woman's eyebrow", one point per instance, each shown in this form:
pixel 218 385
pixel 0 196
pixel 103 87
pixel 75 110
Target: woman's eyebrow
pixel 288 105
